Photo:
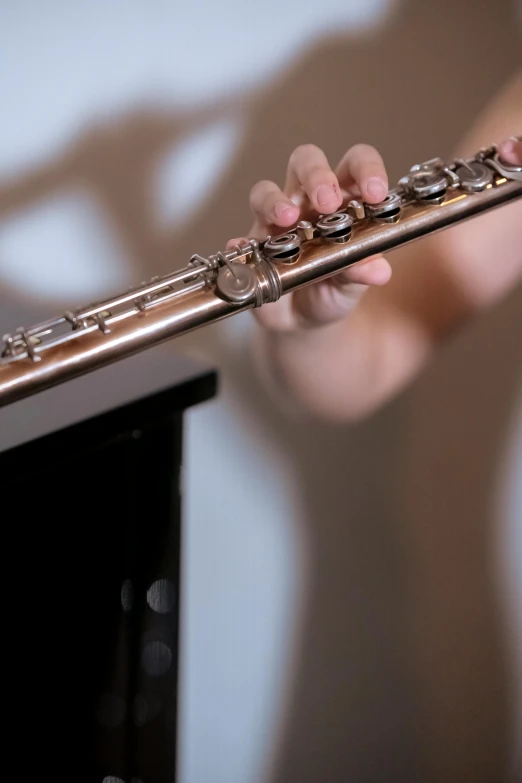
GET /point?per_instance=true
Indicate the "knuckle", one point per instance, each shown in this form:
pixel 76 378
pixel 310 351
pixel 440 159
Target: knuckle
pixel 318 173
pixel 259 190
pixel 303 152
pixel 362 153
pixel 361 148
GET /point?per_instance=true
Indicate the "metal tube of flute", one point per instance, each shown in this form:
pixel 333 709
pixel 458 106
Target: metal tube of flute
pixel 432 197
pixel 94 349
pixel 320 260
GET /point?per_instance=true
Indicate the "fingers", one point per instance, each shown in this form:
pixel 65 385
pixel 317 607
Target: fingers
pixel 308 171
pixel 374 271
pixel 311 183
pixel 363 166
pixel 270 206
pixel 510 151
pixel 331 300
pixel 233 243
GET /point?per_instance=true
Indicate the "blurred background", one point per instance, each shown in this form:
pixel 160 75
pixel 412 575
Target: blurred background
pixel 351 595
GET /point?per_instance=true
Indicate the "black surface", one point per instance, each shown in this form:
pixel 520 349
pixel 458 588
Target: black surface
pixel 165 381
pixel 91 518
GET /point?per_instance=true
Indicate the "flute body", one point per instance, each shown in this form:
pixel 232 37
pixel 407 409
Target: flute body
pixel 433 196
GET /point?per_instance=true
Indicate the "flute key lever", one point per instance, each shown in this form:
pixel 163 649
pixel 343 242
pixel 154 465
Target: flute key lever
pixel 433 196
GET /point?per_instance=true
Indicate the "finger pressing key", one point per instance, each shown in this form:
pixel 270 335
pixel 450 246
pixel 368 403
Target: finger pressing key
pixel 270 206
pixel 363 166
pixel 309 171
pixel 510 151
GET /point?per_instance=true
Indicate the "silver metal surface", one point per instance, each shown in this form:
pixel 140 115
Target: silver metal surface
pixel 237 282
pixel 337 226
pixel 305 229
pixel 511 172
pixel 211 288
pixel 474 177
pixel 388 210
pixel 427 183
pixel 283 246
pixel 357 209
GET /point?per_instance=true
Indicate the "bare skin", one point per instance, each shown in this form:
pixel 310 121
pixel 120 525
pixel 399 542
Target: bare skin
pixel 341 348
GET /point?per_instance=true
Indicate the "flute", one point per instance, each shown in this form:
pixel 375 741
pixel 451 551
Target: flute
pixel 433 196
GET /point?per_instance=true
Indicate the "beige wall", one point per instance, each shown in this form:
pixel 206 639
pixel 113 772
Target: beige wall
pixel 369 560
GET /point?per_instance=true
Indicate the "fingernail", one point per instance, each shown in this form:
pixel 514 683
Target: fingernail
pixel 283 210
pixel 376 187
pixel 326 194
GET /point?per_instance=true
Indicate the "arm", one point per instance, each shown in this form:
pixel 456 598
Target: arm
pixel 341 348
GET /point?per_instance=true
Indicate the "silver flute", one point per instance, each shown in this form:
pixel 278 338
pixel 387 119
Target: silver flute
pixel 433 196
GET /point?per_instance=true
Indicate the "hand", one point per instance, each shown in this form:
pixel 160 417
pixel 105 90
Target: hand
pixel 313 188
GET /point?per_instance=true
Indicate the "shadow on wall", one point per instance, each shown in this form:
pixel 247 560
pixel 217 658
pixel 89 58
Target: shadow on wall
pixel 400 626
